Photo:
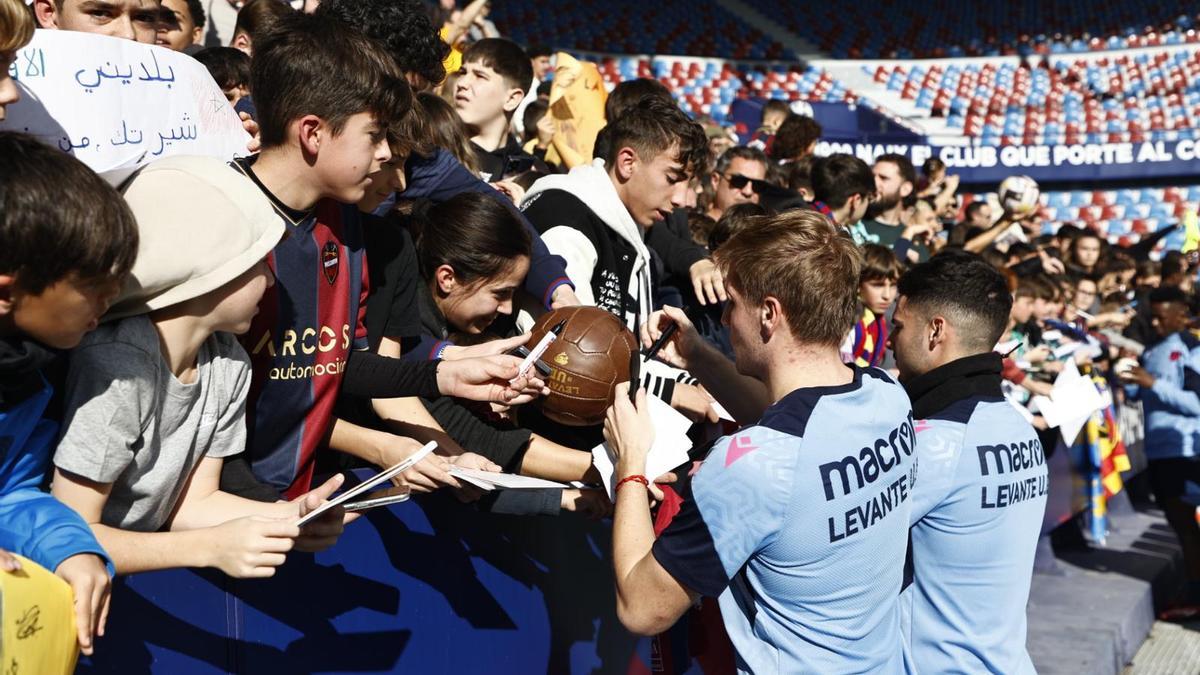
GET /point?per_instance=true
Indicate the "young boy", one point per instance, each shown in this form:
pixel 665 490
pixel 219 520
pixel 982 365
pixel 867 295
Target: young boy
pixel 136 20
pixel 230 68
pixel 156 400
pixel 867 341
pixel 64 257
pixel 493 80
pixel 182 27
pixel 326 96
pixel 596 218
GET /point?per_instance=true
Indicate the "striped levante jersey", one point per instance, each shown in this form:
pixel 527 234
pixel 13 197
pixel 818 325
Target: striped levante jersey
pixel 306 327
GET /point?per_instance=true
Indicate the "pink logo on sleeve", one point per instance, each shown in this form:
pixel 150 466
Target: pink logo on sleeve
pixel 738 448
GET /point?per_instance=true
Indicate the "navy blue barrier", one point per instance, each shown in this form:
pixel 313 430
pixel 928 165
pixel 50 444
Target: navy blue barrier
pixel 1066 496
pixel 426 586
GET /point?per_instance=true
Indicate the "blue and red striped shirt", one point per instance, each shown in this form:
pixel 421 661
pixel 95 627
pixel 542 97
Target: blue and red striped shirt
pixel 306 327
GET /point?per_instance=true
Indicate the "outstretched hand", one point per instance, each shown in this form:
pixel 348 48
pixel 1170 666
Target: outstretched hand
pixel 490 379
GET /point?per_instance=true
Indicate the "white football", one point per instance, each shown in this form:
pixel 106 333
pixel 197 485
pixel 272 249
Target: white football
pixel 1019 195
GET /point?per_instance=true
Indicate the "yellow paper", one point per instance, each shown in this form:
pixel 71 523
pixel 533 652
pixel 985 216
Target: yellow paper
pixel 1192 232
pixel 37 634
pixel 453 61
pixel 577 100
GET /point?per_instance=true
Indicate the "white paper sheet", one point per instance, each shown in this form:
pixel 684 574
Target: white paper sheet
pixel 670 448
pixel 378 478
pixel 1071 402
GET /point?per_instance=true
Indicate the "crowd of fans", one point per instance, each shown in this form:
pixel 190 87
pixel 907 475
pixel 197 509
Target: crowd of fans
pixel 414 194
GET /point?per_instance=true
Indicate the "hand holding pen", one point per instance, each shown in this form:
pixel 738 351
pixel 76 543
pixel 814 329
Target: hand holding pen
pixel 536 353
pixel 670 337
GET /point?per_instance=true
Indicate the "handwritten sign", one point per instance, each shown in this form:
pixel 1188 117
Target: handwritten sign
pixel 37 622
pixel 116 104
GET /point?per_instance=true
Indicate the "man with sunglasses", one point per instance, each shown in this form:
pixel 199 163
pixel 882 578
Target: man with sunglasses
pixel 734 179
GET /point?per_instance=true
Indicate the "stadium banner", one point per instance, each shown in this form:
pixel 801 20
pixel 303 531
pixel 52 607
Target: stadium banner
pixel 116 104
pixel 1043 163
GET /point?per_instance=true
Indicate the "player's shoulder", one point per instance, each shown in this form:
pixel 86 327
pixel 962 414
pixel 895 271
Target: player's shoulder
pixel 1189 340
pixel 968 415
pixel 751 452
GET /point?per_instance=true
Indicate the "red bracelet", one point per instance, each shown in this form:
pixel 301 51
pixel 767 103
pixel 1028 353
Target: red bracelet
pixel 636 478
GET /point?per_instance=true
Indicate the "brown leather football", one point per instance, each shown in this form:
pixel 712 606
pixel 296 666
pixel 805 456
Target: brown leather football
pixel 587 361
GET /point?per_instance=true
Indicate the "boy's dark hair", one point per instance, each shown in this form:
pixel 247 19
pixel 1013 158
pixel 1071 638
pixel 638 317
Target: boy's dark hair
pixel 472 232
pixel 536 50
pixel 1020 250
pixel 49 232
pixel 402 25
pixel 505 57
pixel 879 262
pixel 532 115
pixel 700 227
pixel 776 105
pixel 794 137
pixel 836 177
pixel 256 17
pixel 445 129
pixel 1070 232
pixel 1148 268
pixel 306 65
pixel 931 165
pixel 412 135
pixel 1044 287
pixel 627 94
pixel 1026 288
pixel 797 175
pixel 732 221
pixel 1169 294
pixel 999 261
pixel 1118 262
pixel 960 286
pixel 228 66
pixel 197 11
pixel 652 127
pixel 1174 263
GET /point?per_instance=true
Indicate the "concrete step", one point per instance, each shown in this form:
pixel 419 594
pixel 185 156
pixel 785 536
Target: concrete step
pixel 1092 614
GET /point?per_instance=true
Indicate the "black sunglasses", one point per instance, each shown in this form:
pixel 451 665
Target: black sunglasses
pixel 737 181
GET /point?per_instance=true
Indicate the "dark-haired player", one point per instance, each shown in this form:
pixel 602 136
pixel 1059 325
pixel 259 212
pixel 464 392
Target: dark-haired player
pixel 1168 384
pixel 981 482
